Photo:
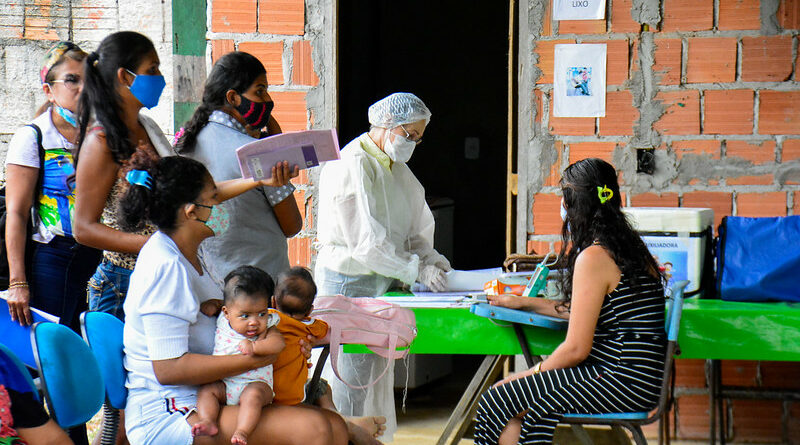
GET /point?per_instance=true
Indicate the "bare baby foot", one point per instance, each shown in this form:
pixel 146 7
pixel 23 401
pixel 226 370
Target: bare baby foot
pixel 239 438
pixel 204 428
pixel 364 430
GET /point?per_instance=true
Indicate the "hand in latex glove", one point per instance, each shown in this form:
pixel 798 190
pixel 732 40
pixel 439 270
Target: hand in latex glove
pixel 433 277
pixel 443 264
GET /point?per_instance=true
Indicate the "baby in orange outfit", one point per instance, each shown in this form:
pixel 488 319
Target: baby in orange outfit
pixel 294 300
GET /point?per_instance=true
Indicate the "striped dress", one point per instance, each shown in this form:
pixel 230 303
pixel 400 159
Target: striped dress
pixel 623 372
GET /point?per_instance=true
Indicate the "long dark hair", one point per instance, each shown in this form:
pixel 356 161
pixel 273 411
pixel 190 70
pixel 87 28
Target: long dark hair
pixel 592 221
pixel 234 71
pixel 100 100
pixel 174 181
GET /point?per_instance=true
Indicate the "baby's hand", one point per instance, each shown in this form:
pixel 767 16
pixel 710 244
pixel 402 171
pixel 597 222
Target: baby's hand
pixel 246 347
pixel 211 307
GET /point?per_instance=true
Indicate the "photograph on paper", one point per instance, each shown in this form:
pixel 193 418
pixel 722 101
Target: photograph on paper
pixel 579 86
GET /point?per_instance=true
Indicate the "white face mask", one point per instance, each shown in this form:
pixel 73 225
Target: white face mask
pixel 399 150
pixel 563 211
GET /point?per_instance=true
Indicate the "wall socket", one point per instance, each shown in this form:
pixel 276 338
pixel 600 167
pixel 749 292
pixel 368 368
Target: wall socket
pixel 645 160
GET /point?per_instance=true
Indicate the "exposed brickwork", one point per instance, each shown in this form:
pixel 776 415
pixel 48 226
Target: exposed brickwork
pixel 583 150
pixel 711 60
pixel 766 59
pixel 271 56
pixel 286 17
pixel 682 115
pixel 233 16
pixel 654 200
pixel 720 202
pixel 789 14
pixel 728 112
pixel 553 174
pixel 617 60
pixel 275 31
pixel 709 147
pixel 546 217
pixel 688 15
pixel 667 64
pixel 739 14
pixel 757 153
pixel 303 69
pixel 582 26
pixel 221 47
pixel 545 49
pixel 757 420
pixel 621 20
pixel 575 126
pixel 779 112
pixel 620 114
pixel 796 208
pixel 761 204
pixel 791 150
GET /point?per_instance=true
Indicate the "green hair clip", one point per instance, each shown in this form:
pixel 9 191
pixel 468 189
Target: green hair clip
pixel 604 193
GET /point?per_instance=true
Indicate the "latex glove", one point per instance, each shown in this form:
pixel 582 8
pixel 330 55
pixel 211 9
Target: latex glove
pixel 443 263
pixel 433 277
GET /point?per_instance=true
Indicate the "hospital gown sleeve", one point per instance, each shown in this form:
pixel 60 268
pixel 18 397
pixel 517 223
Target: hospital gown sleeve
pixel 421 239
pixel 366 238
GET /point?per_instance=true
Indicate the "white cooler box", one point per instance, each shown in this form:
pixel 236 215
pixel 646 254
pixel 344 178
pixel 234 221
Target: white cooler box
pixel 678 238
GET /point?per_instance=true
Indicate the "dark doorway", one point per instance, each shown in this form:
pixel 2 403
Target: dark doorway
pixel 453 55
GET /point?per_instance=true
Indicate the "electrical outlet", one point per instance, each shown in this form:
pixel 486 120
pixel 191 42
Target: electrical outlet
pixel 645 160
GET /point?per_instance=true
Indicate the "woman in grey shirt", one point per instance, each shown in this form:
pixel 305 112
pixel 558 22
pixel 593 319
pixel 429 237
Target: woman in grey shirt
pixel 236 107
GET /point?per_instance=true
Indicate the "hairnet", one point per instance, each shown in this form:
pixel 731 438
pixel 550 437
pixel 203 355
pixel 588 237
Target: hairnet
pixel 398 109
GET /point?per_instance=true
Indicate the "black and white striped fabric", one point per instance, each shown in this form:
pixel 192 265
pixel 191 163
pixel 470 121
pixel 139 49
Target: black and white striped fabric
pixel 623 372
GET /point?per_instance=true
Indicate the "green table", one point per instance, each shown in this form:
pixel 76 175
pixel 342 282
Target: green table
pixel 710 329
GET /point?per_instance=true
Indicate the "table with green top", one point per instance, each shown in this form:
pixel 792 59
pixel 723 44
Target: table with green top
pixel 710 329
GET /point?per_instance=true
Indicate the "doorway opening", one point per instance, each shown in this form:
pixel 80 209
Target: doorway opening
pixel 454 56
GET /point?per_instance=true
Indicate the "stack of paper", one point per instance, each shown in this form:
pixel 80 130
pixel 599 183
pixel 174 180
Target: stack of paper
pixel 304 149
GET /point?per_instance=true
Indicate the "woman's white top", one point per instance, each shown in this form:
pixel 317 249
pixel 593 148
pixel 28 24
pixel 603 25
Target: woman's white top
pixel 162 314
pixel 24 149
pixel 373 217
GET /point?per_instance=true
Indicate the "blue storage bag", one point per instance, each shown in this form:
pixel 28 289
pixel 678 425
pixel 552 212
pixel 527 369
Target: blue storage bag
pixel 758 259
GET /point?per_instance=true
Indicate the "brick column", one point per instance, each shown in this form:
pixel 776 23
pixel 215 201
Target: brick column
pixel 280 35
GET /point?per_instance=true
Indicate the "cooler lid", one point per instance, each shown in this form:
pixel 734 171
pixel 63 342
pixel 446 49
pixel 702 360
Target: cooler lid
pixel 670 219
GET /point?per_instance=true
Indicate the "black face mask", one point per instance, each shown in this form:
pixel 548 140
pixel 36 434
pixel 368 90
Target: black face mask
pixel 256 114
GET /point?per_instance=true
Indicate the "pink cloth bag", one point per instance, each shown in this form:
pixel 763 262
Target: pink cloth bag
pixel 380 326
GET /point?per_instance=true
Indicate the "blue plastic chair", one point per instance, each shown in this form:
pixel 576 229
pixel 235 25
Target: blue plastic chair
pixel 71 380
pixel 17 370
pixel 633 421
pixel 103 333
pixel 17 337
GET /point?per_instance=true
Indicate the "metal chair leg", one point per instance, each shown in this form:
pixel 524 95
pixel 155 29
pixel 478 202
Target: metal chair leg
pixel 638 435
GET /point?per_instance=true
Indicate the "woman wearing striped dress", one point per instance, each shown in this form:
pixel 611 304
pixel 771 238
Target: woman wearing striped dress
pixel 613 356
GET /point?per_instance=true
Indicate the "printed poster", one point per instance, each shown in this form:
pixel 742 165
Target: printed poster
pixel 579 84
pixel 579 9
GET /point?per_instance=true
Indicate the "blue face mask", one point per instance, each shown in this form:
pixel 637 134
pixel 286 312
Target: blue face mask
pixel 147 88
pixel 68 115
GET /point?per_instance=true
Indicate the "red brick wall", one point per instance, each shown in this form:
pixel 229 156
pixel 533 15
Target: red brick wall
pixel 275 32
pixel 730 100
pixel 727 140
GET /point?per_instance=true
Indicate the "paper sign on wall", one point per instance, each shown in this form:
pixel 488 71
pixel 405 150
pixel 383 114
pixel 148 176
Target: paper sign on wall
pixel 579 9
pixel 579 84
